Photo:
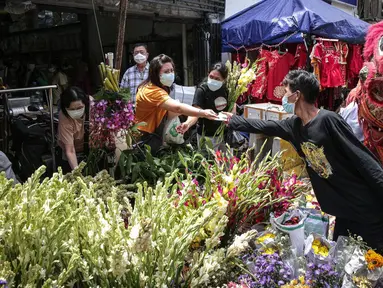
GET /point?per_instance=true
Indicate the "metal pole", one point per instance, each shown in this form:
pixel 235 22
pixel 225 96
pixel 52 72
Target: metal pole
pixel 28 89
pixel 184 55
pixel 121 32
pixel 52 130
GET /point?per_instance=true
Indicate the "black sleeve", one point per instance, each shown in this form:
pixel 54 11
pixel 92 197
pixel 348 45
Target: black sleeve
pixel 282 129
pixel 365 162
pixel 199 98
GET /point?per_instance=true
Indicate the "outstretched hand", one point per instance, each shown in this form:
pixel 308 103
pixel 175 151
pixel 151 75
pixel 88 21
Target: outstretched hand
pixel 182 128
pixel 229 116
pixel 210 114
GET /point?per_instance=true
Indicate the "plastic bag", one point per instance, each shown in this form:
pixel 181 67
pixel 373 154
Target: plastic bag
pixel 171 136
pixel 316 223
pixel 318 249
pixel 295 231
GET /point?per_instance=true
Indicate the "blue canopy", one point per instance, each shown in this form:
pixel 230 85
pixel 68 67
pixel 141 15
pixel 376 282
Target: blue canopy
pixel 271 21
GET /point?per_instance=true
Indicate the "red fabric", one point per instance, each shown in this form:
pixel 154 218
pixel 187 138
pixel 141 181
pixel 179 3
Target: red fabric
pixel 300 57
pixel 330 69
pixel 343 50
pixel 331 75
pixel 259 87
pixel 279 66
pixel 355 61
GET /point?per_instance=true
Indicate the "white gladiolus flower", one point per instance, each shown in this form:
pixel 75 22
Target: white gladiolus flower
pixel 241 243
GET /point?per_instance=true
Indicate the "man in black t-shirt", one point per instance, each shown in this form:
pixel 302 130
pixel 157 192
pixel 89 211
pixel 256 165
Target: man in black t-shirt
pixel 346 177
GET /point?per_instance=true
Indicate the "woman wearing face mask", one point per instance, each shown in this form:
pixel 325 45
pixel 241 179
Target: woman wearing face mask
pixel 211 94
pixel 154 106
pixel 71 132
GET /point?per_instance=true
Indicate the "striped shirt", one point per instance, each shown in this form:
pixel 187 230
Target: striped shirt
pixel 133 78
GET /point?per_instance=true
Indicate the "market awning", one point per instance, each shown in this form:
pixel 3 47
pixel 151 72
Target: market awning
pixel 270 21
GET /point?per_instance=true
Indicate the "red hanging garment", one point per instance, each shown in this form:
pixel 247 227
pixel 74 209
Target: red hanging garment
pixel 300 57
pixel 279 66
pixel 355 63
pixel 259 87
pixel 329 66
pixel 343 50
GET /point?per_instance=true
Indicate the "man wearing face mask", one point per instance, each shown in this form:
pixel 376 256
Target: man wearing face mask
pixel 71 129
pixel 135 75
pixel 211 94
pixel 346 177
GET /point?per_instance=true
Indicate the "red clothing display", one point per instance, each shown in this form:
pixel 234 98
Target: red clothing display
pixel 330 69
pixel 355 63
pixel 300 57
pixel 342 49
pixel 259 87
pixel 279 66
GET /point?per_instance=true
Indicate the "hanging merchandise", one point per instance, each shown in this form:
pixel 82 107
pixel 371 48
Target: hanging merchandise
pixel 355 63
pixel 300 57
pixel 279 67
pixel 342 49
pixel 259 87
pixel 326 62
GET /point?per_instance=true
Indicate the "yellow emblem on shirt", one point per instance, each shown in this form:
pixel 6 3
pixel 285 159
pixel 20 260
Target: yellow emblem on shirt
pixel 316 159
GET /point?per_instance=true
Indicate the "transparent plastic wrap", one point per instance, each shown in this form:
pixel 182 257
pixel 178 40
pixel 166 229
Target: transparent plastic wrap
pixel 319 250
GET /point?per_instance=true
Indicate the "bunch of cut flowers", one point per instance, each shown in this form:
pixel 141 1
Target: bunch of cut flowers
pixel 253 191
pixel 238 81
pixel 359 265
pixel 112 113
pixel 63 232
pixel 250 191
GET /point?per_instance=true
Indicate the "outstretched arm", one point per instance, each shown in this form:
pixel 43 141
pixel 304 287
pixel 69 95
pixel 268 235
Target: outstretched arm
pixel 282 129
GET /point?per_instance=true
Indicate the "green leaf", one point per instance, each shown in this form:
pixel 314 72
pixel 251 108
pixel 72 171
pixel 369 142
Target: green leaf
pixel 182 159
pixel 135 172
pixel 121 164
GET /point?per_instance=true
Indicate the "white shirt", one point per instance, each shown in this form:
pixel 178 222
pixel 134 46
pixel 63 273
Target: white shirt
pixel 350 114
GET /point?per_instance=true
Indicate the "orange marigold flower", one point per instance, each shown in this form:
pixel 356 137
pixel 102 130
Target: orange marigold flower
pixel 374 260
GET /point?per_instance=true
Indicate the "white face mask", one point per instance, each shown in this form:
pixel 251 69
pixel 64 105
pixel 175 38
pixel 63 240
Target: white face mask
pixel 167 79
pixel 139 58
pixel 214 85
pixel 76 114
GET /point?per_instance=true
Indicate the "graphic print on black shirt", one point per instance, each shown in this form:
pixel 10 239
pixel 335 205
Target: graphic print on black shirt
pixel 316 159
pixel 207 99
pixel 346 177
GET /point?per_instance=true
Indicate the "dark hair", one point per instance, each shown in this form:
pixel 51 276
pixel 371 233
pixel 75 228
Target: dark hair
pixel 154 70
pixel 221 68
pixel 140 45
pixel 70 95
pixel 305 82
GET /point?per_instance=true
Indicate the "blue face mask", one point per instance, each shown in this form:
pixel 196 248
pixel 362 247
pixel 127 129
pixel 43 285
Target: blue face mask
pixel 288 107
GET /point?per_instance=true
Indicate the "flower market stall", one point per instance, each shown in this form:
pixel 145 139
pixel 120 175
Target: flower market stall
pixel 187 219
pixel 188 231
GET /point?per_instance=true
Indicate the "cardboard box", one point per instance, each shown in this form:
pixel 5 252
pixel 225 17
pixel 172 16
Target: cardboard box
pixel 266 111
pixel 263 111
